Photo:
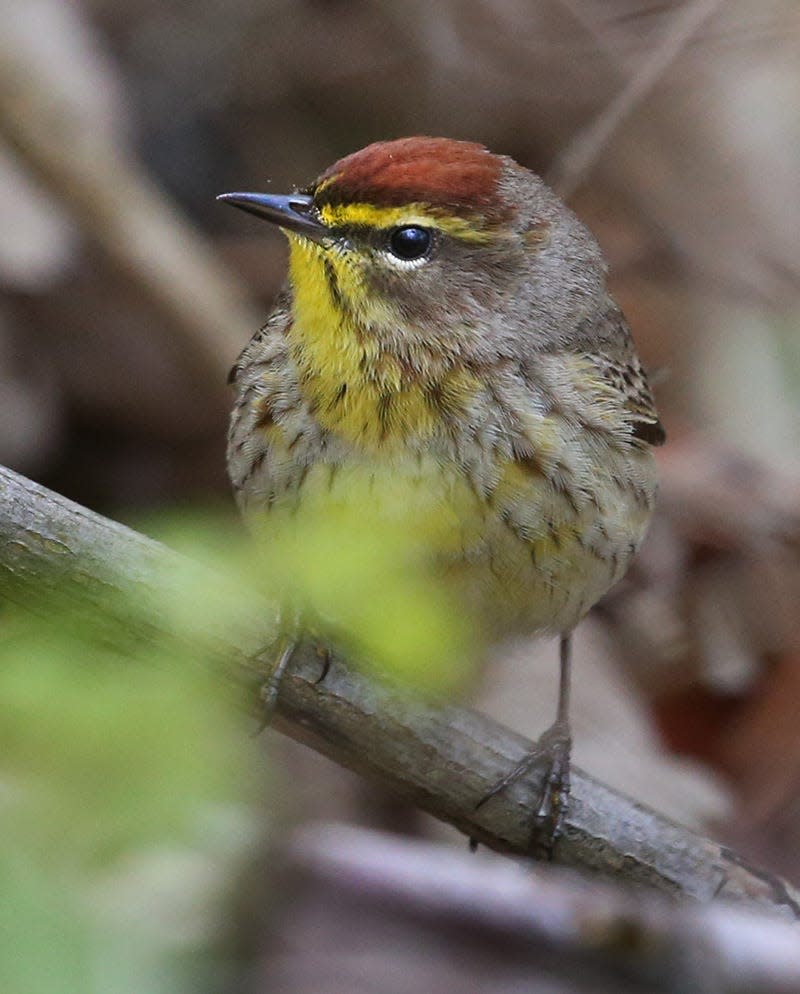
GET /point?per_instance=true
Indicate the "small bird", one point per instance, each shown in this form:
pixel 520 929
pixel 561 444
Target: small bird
pixel 446 321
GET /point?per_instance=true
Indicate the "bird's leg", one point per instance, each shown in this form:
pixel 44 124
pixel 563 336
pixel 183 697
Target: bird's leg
pixel 270 687
pixel 326 656
pixel 289 628
pixel 554 748
pixel 557 741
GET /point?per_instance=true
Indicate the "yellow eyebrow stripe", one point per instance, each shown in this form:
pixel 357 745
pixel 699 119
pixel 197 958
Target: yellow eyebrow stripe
pixel 370 216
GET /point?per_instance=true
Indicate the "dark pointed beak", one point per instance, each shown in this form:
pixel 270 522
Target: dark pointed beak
pixel 294 213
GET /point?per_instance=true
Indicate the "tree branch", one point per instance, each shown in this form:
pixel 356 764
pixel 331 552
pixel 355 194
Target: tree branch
pixel 442 759
pixel 135 224
pixel 492 924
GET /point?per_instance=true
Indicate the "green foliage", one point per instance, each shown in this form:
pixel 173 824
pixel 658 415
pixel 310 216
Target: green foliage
pixel 367 587
pixel 113 763
pixel 45 946
pixel 129 780
pixel 356 573
pixel 106 752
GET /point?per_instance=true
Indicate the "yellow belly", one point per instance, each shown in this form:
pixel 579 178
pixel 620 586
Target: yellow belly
pixel 520 559
pixel 529 509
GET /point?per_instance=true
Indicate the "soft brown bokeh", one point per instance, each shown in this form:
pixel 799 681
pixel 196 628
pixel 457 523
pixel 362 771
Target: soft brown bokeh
pixel 675 130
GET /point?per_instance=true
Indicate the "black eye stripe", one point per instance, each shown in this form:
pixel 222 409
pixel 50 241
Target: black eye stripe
pixel 410 242
pixel 367 235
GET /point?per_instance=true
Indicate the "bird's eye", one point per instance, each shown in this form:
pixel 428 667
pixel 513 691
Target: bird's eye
pixel 410 242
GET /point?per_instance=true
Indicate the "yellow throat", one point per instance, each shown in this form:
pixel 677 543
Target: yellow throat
pixel 359 389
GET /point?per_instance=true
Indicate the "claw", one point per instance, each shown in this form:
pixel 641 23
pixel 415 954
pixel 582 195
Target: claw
pixel 555 796
pixel 327 658
pixel 554 746
pixel 271 686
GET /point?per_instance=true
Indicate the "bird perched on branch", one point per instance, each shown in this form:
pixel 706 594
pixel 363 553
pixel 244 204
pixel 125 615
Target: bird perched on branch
pixel 446 323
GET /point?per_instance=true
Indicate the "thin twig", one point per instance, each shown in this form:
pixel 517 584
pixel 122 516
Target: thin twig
pixel 138 228
pixel 574 163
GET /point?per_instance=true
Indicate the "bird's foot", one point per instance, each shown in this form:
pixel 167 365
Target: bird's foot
pixel 269 689
pixel 552 750
pixel 326 656
pixel 271 686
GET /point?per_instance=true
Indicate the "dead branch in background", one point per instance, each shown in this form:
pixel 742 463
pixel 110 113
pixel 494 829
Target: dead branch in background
pixel 576 160
pixel 481 925
pixel 138 228
pixel 444 759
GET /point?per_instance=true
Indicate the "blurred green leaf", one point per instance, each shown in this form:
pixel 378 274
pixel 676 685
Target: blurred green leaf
pixel 45 943
pixel 117 762
pixel 363 569
pixel 102 752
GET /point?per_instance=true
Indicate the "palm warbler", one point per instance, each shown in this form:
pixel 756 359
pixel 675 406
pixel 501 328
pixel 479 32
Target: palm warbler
pixel 446 323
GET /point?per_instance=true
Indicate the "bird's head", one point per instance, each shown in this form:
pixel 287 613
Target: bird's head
pixel 438 241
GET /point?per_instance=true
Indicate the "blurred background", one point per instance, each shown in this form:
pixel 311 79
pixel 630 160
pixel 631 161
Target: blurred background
pixel 673 130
